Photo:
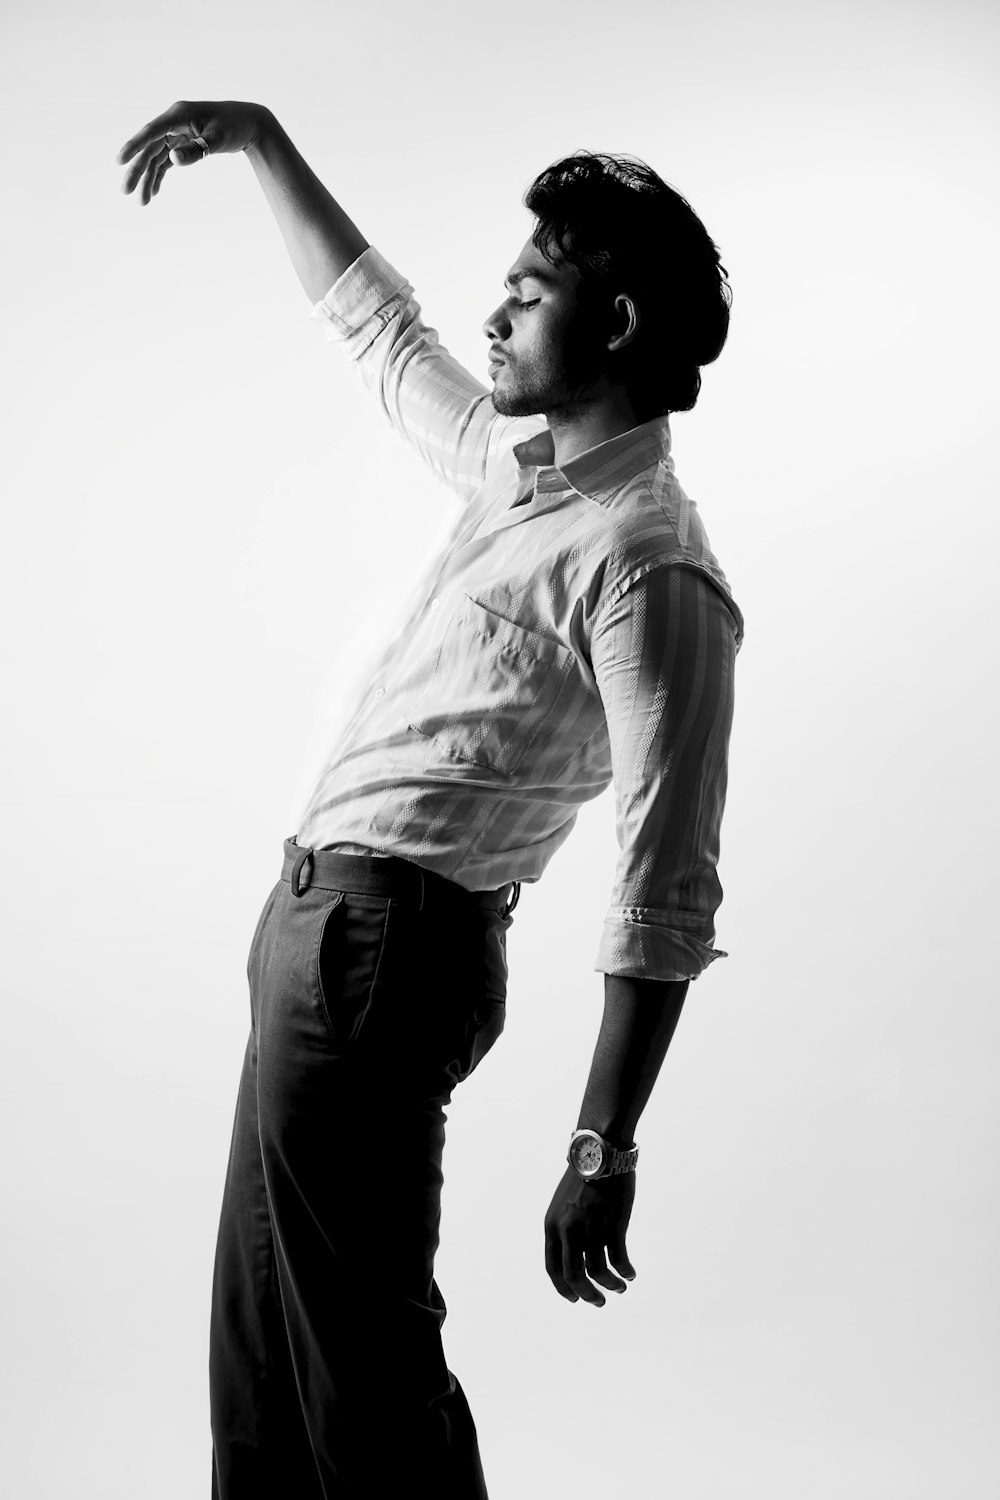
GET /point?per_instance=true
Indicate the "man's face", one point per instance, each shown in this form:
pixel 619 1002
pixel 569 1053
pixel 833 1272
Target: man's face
pixel 550 347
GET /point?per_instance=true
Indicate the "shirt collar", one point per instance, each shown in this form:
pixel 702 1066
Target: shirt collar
pixel 600 471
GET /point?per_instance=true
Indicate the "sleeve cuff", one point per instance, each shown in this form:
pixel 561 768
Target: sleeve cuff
pixel 649 949
pixel 361 302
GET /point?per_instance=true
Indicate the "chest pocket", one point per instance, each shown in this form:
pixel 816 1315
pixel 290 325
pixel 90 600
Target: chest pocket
pixel 495 691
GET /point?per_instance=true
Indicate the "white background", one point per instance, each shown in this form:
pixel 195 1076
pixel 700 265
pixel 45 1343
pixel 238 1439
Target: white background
pixel 207 526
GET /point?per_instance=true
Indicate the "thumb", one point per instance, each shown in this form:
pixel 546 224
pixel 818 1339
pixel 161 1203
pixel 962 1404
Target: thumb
pixel 183 156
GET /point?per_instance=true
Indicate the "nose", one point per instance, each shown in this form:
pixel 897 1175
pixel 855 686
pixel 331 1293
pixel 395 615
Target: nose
pixel 497 325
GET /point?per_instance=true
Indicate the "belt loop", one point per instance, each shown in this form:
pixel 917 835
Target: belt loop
pixel 515 892
pixel 300 860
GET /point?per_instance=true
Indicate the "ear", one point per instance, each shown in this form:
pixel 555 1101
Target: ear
pixel 627 320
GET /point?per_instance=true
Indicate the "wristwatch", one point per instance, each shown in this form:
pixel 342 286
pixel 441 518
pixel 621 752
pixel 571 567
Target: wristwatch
pixel 591 1156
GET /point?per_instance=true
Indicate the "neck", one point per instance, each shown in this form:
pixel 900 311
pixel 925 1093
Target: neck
pixel 574 431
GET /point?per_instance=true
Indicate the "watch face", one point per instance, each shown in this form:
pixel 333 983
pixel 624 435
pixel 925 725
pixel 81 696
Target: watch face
pixel 588 1156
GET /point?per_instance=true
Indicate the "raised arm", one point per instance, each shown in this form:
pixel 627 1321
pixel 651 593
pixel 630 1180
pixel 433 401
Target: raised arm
pixel 322 241
pixel 432 401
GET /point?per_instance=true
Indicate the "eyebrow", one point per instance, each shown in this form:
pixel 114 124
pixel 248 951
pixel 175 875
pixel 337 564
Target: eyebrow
pixel 518 276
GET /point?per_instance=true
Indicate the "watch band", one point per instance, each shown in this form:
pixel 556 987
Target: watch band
pixel 621 1161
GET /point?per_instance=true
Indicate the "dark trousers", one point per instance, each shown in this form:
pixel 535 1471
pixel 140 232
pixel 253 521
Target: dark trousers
pixel 375 988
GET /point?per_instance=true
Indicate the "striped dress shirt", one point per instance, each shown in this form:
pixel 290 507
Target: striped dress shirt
pixel 574 630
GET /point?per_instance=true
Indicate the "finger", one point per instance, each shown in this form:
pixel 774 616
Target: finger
pixel 618 1255
pixel 553 1264
pixel 575 1276
pixel 597 1270
pixel 140 166
pixel 152 131
pixel 172 149
pixel 154 166
pixel 184 153
pixel 161 172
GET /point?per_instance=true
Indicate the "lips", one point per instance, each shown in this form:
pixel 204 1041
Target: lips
pixel 495 361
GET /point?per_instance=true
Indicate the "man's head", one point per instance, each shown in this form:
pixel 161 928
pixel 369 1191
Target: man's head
pixel 622 296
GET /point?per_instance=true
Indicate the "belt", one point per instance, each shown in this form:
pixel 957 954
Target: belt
pixel 359 874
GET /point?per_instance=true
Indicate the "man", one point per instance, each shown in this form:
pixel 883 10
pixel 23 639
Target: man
pixel 575 629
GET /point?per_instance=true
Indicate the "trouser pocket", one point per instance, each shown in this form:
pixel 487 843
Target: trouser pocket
pixel 480 996
pixel 485 1027
pixel 347 962
pixel 265 913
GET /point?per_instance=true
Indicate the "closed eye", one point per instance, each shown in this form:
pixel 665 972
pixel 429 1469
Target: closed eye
pixel 528 304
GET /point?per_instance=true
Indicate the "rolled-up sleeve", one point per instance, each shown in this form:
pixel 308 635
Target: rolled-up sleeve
pixel 664 651
pixel 432 401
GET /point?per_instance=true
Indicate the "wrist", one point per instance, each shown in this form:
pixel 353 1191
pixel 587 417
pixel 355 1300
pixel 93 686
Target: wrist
pixel 266 129
pixel 617 1132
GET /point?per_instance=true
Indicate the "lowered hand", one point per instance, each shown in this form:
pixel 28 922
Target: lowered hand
pixel 585 1229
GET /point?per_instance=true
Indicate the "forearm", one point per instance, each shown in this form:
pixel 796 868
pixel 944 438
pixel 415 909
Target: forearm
pixel 322 241
pixel 640 1016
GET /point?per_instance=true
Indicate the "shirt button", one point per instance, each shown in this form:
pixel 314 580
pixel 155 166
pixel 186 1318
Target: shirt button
pixel 435 603
pixel 379 692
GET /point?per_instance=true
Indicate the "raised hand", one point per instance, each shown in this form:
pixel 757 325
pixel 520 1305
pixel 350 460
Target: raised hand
pixel 169 140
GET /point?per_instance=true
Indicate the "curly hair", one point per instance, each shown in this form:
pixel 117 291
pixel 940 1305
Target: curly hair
pixel 628 232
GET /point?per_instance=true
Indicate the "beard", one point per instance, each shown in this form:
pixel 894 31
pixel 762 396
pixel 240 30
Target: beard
pixel 560 384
